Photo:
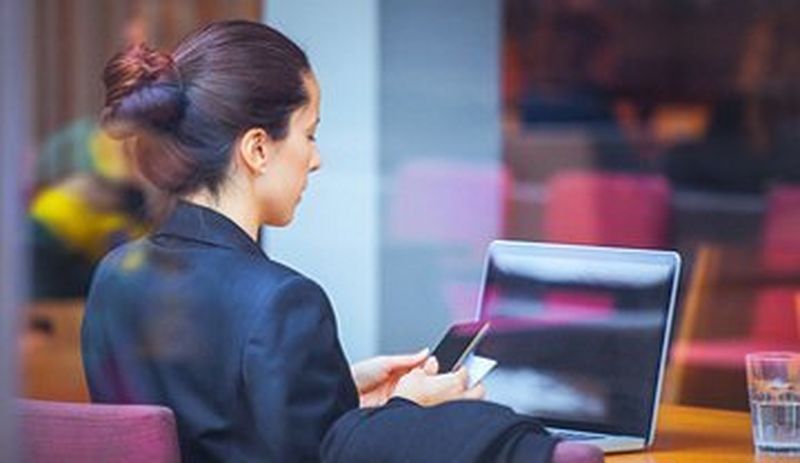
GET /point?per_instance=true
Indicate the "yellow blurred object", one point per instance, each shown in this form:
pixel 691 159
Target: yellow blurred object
pixel 108 158
pixel 81 227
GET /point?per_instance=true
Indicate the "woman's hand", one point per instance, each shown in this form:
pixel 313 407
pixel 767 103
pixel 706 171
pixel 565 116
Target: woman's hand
pixel 377 377
pixel 425 387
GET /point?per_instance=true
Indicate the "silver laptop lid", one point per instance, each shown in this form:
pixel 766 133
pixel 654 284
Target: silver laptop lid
pixel 580 333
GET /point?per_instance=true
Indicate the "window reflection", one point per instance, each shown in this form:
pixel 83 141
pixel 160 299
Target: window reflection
pixel 667 124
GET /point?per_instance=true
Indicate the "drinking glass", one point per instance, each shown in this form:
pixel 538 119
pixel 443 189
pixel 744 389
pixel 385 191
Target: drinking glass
pixel 773 380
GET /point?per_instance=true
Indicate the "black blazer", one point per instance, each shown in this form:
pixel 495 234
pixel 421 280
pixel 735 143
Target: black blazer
pixel 243 349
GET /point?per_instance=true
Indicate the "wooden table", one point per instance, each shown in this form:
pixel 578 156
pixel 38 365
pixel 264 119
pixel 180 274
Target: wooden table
pixel 700 435
pixel 51 364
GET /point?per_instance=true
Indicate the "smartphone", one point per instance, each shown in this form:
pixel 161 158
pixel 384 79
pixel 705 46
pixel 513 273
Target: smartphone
pixel 458 343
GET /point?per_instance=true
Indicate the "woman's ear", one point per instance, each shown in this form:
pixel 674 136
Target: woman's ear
pixel 255 148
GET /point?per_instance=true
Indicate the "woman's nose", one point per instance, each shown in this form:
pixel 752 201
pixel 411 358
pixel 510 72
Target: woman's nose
pixel 316 162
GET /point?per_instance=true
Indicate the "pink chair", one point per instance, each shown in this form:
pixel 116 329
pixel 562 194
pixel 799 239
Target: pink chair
pixel 448 202
pixel 66 432
pixel 573 452
pixel 607 209
pixel 776 307
pixel 775 322
pixel 77 432
pixel 780 240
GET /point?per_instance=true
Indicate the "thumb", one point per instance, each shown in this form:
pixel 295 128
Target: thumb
pixel 431 366
pixel 407 362
pixel 412 360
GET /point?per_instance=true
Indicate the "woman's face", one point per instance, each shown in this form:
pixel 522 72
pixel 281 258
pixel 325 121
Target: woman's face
pixel 280 188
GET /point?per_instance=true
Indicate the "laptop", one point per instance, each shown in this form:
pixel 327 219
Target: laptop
pixel 581 335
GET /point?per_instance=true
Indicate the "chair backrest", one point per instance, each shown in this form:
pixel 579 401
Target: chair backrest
pixel 780 240
pixel 77 432
pixel 775 317
pixel 775 314
pixel 605 208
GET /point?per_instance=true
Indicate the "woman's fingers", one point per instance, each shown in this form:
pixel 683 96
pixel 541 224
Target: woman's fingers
pixel 425 387
pixel 458 385
pixel 450 386
pixel 463 377
pixel 407 361
pixel 476 393
pixel 381 367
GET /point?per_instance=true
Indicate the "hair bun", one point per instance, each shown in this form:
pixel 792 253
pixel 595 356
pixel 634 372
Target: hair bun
pixel 143 91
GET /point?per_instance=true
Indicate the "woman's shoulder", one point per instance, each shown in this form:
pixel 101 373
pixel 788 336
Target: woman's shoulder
pixel 127 257
pixel 282 270
pixel 283 279
pixel 243 280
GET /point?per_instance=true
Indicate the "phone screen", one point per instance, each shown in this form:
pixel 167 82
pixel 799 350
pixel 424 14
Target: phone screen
pixel 457 344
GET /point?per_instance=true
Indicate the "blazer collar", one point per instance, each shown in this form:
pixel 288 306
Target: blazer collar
pixel 198 223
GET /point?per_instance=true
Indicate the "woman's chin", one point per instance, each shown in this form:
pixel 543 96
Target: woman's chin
pixel 280 221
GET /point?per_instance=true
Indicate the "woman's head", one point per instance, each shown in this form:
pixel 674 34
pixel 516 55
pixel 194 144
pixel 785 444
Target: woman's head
pixel 235 106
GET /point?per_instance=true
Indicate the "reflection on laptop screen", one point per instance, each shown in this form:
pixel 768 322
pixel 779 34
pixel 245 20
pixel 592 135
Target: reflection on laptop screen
pixel 578 333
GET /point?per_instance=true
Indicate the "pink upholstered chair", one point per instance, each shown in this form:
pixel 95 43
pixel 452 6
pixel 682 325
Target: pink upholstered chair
pixel 573 452
pixel 776 307
pixel 606 208
pixel 77 432
pixel 448 202
pixel 781 242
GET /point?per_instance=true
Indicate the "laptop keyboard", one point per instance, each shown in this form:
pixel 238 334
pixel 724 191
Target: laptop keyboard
pixel 567 435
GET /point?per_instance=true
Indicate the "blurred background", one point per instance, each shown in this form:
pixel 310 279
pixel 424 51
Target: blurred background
pixel 657 124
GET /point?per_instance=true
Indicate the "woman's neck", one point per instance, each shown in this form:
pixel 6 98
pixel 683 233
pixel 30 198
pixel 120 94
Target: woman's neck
pixel 239 210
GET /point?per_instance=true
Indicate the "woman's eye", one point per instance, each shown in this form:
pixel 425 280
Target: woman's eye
pixel 312 137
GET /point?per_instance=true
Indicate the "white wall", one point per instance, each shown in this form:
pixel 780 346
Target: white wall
pixel 401 80
pixel 439 99
pixel 334 237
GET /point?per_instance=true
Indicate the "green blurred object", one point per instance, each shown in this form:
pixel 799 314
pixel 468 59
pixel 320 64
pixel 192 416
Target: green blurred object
pixel 87 205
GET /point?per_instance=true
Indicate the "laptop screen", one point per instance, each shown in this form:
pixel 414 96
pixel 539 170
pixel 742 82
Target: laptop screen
pixel 578 332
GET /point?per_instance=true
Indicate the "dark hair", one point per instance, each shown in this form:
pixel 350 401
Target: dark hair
pixel 182 113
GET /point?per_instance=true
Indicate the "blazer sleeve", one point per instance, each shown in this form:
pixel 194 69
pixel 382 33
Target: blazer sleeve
pixel 466 431
pixel 296 378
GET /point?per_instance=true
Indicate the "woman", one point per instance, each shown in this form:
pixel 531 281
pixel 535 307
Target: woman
pixel 196 316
